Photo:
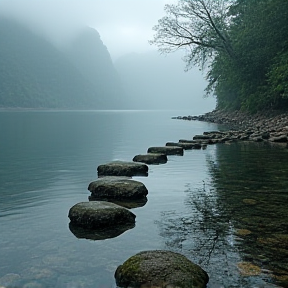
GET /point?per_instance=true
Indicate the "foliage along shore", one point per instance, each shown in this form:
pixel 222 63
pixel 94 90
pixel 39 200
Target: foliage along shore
pixel 241 44
pixel 270 126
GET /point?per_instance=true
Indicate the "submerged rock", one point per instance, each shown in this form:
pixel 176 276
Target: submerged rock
pixel 120 188
pixel 167 150
pixel 100 214
pixel 122 168
pixel 160 269
pixel 248 269
pixel 151 158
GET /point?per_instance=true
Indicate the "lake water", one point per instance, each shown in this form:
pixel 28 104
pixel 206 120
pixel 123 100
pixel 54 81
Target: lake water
pixel 225 207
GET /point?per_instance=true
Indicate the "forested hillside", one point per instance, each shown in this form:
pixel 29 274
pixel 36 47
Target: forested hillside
pixel 242 45
pixel 34 74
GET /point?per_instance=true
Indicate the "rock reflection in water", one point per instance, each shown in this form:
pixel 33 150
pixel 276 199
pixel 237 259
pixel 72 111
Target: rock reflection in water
pixel 130 204
pixel 99 234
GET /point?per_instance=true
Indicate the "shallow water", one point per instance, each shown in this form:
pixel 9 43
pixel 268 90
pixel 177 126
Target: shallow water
pixel 223 207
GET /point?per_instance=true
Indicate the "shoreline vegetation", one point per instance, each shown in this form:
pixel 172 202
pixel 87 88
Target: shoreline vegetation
pixel 270 126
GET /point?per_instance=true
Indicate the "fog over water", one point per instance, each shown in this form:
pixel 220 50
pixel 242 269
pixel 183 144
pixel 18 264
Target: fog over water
pixel 125 27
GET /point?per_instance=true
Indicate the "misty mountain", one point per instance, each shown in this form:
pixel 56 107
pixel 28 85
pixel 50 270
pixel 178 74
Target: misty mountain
pixel 154 81
pixel 89 55
pixel 35 74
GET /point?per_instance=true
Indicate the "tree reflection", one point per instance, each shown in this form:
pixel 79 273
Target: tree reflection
pixel 238 219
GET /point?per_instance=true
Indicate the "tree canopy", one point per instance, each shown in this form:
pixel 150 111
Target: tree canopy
pixel 243 45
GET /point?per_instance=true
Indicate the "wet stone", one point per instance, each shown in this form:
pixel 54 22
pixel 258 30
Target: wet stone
pixel 160 268
pixel 122 168
pixel 107 188
pixel 167 150
pixel 99 214
pixel 151 158
pixel 185 146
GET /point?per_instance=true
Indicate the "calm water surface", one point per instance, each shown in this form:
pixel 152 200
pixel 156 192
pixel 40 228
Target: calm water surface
pixel 225 207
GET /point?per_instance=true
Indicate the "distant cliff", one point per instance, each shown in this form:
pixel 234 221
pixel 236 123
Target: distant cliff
pixel 35 74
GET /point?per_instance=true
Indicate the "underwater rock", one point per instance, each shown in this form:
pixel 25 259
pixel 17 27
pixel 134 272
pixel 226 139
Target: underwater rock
pixel 107 188
pixel 160 269
pixel 122 168
pixel 10 279
pixel 248 269
pixel 99 214
pixel 151 158
pixel 249 201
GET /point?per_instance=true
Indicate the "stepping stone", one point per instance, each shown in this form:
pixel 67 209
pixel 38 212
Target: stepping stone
pixel 160 268
pixel 99 214
pixel 151 158
pixel 187 141
pixel 111 187
pixel 167 150
pixel 185 146
pixel 122 168
pixel 197 144
pixel 201 137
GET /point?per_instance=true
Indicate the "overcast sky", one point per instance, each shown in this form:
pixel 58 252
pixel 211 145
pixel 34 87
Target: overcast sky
pixel 124 25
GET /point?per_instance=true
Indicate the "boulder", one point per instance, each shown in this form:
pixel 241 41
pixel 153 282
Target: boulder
pixel 160 269
pixel 151 158
pixel 120 188
pixel 122 168
pixel 167 150
pixel 99 214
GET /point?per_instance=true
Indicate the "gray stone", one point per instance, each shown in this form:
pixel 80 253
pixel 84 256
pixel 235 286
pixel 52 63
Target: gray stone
pixel 99 214
pixel 122 168
pixel 187 141
pixel 120 188
pixel 197 146
pixel 167 150
pixel 279 139
pixel 151 158
pixel 201 137
pixel 160 269
pixel 185 146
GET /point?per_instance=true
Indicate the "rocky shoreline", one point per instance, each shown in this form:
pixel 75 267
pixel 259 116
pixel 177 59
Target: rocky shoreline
pixel 271 126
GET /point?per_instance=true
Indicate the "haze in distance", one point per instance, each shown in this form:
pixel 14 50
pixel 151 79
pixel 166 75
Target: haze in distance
pixel 149 80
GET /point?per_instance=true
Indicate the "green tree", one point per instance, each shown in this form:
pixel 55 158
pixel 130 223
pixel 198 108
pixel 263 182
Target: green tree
pixel 244 43
pixel 198 26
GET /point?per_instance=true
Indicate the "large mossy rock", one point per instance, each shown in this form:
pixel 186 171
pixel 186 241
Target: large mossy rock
pixel 151 158
pixel 99 214
pixel 160 269
pixel 122 168
pixel 120 188
pixel 167 150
